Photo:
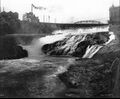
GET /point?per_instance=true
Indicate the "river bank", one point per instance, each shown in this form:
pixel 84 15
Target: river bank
pixel 95 77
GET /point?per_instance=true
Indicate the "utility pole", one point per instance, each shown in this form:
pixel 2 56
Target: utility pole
pixel 32 8
pixel 3 9
pixel 43 18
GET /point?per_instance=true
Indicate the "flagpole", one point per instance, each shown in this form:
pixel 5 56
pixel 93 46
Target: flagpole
pixel 39 8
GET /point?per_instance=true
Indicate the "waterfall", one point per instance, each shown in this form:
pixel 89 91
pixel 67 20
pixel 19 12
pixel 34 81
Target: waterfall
pixel 91 51
pixel 84 43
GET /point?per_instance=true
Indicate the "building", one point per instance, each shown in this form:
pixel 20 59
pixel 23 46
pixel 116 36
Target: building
pixel 30 17
pixel 114 15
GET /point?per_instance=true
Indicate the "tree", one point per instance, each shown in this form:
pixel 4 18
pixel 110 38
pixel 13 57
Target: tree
pixel 9 23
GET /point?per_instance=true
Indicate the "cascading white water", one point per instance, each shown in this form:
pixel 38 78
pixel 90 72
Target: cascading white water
pixel 34 49
pixel 66 42
pixel 91 51
pixel 82 30
pixel 84 43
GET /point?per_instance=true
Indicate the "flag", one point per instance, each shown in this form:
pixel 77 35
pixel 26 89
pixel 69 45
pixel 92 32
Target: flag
pixel 40 8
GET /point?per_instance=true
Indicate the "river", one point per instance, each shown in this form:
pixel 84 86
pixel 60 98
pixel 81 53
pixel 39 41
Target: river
pixel 34 76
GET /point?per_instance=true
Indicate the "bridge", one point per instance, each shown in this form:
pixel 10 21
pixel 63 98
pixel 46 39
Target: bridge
pixel 74 25
pixel 88 22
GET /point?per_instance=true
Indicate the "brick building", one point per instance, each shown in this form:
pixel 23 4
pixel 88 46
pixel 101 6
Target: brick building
pixel 114 15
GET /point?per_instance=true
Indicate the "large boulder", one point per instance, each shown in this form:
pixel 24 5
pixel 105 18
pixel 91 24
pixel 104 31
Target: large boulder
pixel 10 50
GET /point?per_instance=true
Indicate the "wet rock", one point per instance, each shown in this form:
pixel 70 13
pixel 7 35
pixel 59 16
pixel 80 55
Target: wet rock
pixel 98 38
pixel 10 50
pixel 20 52
pixel 81 49
pixel 91 80
pixel 73 46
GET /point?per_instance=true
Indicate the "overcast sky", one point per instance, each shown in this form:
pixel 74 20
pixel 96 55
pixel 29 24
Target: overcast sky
pixel 63 10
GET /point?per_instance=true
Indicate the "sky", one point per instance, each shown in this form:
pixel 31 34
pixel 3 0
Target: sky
pixel 63 10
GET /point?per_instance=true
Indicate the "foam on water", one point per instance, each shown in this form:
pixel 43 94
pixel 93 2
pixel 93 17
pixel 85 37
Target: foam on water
pixel 91 51
pixel 61 34
pixel 82 30
pixel 51 38
pixel 111 38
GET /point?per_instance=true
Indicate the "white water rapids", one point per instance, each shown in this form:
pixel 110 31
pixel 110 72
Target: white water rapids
pixel 91 51
pixel 70 42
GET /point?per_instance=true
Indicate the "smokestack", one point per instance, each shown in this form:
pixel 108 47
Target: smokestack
pixel 48 18
pixel 55 20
